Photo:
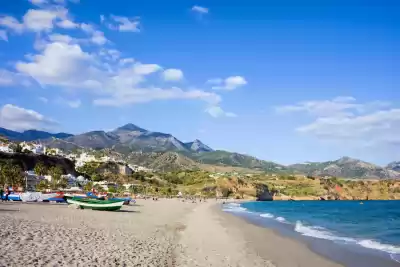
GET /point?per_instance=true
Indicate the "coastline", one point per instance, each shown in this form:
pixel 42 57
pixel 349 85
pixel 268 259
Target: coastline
pixel 167 232
pixel 282 241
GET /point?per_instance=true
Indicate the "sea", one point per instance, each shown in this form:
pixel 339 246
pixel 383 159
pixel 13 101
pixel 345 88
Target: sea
pixel 354 233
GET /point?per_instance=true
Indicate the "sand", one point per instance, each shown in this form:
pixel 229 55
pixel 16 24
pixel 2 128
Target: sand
pixel 167 232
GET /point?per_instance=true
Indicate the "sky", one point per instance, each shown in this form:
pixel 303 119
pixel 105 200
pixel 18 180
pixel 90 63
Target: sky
pixel 287 81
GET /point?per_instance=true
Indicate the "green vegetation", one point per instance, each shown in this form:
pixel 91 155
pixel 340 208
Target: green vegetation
pixel 11 175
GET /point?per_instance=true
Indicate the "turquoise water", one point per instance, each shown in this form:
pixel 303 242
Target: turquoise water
pixel 373 225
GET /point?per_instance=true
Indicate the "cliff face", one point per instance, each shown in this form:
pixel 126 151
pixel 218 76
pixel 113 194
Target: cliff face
pixel 28 162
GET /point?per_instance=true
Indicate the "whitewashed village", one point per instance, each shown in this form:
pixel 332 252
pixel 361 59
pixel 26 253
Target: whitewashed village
pixel 80 158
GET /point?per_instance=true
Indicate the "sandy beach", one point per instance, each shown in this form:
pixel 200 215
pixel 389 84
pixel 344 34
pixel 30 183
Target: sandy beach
pixel 167 232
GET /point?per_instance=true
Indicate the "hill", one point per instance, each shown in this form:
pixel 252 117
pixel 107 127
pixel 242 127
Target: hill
pixel 30 135
pixel 345 167
pixel 130 138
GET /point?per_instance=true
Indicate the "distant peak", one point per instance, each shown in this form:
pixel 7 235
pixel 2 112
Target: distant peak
pixel 131 127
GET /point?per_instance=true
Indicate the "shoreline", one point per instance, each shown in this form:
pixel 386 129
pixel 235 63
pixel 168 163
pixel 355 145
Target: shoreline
pixel 167 232
pixel 282 234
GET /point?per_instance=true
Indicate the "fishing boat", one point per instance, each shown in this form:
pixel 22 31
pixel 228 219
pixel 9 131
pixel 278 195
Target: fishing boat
pixel 95 204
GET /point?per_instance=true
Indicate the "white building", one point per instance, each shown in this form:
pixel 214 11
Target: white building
pixel 137 168
pixel 5 148
pixel 34 148
pixel 83 158
pixel 106 185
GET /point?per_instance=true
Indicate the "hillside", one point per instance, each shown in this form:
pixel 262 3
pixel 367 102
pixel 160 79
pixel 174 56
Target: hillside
pixel 27 162
pixel 30 135
pixel 129 139
pixel 345 167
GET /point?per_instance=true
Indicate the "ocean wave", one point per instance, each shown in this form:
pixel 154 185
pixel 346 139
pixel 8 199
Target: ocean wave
pixel 319 232
pixel 379 246
pixel 280 219
pixel 322 233
pixel 233 207
pixel 266 215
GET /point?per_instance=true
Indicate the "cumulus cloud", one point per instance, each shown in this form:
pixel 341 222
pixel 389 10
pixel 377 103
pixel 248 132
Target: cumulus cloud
pixel 67 24
pixel 218 112
pixel 200 9
pixel 20 119
pixel 117 84
pixel 172 75
pixel 343 118
pixel 122 24
pixel 35 20
pixel 229 83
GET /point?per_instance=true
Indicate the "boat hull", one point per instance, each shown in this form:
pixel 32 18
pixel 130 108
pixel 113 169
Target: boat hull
pixel 96 206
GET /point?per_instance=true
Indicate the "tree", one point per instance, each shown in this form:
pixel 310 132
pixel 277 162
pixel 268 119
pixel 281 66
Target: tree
pixel 55 173
pixel 11 174
pixel 40 169
pixel 88 186
pixel 43 185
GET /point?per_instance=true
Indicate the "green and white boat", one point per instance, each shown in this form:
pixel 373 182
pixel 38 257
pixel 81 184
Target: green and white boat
pixel 95 204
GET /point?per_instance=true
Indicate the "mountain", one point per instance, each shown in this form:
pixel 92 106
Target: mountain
pixel 162 150
pixel 30 135
pixel 345 167
pixel 394 166
pixel 221 158
pixel 198 146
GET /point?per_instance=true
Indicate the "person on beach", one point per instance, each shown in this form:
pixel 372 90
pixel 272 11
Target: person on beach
pixel 7 194
pixel 1 194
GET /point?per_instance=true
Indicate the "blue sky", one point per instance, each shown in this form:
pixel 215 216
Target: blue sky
pixel 281 80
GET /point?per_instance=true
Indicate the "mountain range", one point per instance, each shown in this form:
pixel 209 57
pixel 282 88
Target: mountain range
pixel 164 151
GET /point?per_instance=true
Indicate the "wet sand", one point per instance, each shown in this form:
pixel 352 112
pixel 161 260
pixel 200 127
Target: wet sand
pixel 167 232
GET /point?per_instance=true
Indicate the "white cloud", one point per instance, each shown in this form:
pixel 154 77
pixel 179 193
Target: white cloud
pixel 343 118
pixel 229 83
pixel 98 38
pixel 43 99
pixel 122 24
pixel 145 69
pixel 200 9
pixel 144 95
pixel 59 64
pixel 339 106
pixel 67 24
pixel 172 75
pixel 3 35
pixel 62 38
pixel 218 112
pixel 42 20
pixel 87 27
pixel 20 119
pixel 11 23
pixel 35 20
